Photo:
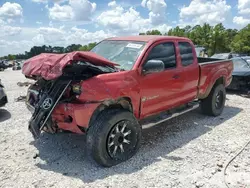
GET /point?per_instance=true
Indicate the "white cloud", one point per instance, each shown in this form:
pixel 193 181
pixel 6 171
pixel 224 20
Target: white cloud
pixel 78 10
pixel 239 20
pixel 62 13
pixel 83 36
pixel 200 11
pixel 9 31
pixel 52 36
pixel 157 8
pixel 38 39
pixel 10 11
pixel 39 23
pixel 244 6
pixel 112 4
pixel 40 1
pixel 164 28
pixel 46 1
pixel 120 20
pixel 15 46
pixel 64 36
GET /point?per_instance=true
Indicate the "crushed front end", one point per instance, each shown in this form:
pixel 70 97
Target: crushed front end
pixel 55 104
pixel 44 102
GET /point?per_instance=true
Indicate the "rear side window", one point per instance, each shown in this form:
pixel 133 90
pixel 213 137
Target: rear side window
pixel 186 52
pixel 164 52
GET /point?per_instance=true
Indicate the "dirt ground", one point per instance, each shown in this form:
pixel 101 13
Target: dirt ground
pixel 188 151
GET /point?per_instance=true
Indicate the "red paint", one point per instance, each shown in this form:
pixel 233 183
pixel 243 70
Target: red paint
pixel 193 82
pixel 50 66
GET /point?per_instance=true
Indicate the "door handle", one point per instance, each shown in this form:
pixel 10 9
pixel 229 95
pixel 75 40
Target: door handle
pixel 176 76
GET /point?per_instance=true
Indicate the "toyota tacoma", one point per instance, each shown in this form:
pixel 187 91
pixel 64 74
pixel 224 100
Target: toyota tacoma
pixel 122 85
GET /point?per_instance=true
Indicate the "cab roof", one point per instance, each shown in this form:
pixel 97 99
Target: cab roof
pixel 146 38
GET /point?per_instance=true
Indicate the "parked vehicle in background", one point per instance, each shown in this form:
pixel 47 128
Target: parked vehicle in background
pixel 247 58
pixel 201 51
pixel 3 96
pixel 16 66
pixel 241 75
pixel 3 65
pixel 122 85
pixel 227 55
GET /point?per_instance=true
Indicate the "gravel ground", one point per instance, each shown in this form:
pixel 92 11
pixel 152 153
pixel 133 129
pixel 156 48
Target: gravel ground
pixel 188 151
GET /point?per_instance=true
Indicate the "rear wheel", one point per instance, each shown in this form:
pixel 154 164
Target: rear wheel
pixel 214 104
pixel 114 137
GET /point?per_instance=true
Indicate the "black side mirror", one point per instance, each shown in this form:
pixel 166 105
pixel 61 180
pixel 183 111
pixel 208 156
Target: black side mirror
pixel 153 66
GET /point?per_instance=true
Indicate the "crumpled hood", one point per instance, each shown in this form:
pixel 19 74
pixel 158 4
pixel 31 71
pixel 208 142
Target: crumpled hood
pixel 50 66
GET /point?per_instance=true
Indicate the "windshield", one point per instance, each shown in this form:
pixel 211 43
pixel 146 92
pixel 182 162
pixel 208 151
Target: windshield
pixel 124 53
pixel 247 59
pixel 240 63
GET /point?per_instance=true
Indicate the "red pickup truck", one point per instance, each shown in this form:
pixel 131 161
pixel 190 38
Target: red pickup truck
pixel 121 86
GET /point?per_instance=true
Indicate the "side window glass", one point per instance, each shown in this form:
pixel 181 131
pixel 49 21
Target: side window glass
pixel 186 52
pixel 164 52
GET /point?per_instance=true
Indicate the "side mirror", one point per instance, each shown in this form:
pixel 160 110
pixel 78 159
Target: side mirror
pixel 153 66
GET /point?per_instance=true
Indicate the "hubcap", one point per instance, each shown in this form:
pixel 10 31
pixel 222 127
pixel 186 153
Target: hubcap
pixel 219 100
pixel 120 139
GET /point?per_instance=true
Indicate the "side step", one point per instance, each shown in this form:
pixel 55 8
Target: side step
pixel 167 115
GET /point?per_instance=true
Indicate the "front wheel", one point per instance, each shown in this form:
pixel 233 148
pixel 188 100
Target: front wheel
pixel 214 104
pixel 114 137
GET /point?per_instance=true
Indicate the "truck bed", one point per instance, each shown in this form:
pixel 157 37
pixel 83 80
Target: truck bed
pixel 206 60
pixel 210 70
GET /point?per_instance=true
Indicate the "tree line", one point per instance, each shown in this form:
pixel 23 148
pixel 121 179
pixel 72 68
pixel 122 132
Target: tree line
pixel 216 39
pixel 36 50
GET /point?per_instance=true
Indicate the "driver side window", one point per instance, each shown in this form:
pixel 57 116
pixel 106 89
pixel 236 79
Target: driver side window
pixel 164 52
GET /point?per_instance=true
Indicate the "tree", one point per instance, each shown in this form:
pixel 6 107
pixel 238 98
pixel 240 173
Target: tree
pixel 11 57
pixel 72 47
pixel 87 47
pixel 241 42
pixel 152 32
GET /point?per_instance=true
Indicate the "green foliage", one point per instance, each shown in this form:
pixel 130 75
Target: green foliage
pixel 216 39
pixel 153 32
pixel 241 42
pixel 87 47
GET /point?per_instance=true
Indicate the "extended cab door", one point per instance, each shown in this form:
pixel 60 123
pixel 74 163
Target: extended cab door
pixel 190 70
pixel 161 90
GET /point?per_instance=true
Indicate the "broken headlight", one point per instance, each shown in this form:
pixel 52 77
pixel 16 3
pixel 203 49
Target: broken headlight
pixel 77 89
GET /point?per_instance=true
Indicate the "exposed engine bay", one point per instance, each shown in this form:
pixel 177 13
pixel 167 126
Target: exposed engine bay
pixel 44 95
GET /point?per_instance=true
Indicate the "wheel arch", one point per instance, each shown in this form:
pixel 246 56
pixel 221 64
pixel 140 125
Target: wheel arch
pixel 220 80
pixel 122 103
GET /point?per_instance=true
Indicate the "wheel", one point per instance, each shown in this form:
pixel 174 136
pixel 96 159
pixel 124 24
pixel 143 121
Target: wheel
pixel 214 104
pixel 114 137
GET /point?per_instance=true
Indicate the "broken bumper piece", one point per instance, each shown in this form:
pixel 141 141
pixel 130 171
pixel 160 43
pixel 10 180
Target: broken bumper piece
pixel 45 107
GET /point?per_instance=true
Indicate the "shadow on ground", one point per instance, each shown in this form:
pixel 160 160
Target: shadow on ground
pixel 4 115
pixel 245 94
pixel 65 153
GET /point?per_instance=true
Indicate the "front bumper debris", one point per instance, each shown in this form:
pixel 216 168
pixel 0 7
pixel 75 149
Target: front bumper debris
pixel 45 106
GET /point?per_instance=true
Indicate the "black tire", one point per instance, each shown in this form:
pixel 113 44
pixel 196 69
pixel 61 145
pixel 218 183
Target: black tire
pixel 214 104
pixel 101 133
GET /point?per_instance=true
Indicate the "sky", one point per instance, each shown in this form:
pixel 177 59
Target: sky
pixel 25 23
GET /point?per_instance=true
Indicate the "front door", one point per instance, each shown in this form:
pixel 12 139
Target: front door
pixel 160 91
